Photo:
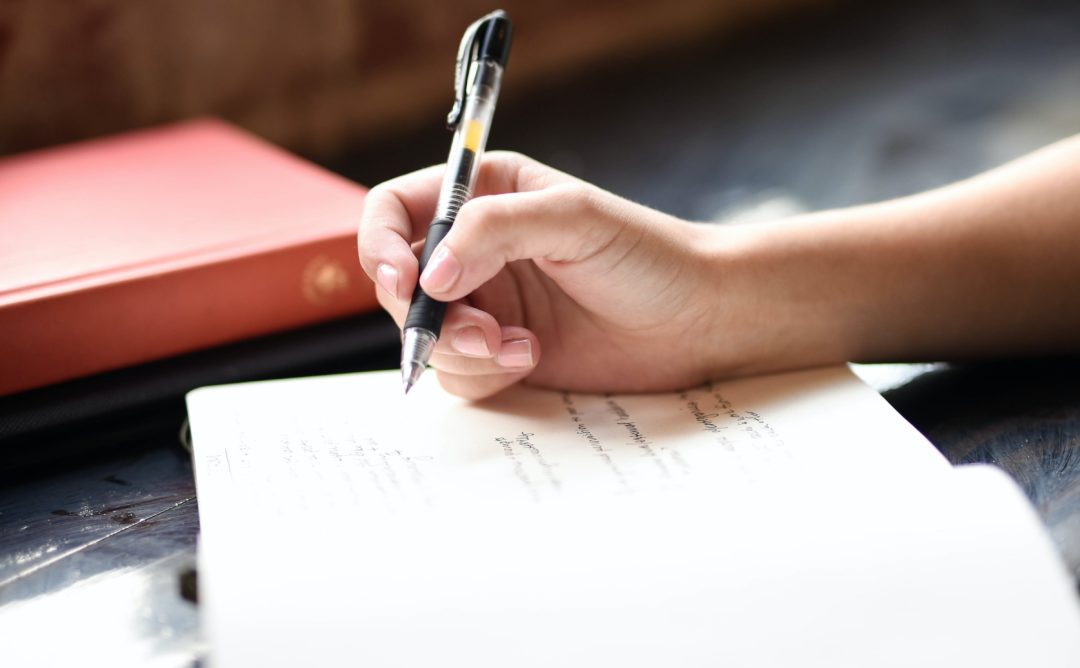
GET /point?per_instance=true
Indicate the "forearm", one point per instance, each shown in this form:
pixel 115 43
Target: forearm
pixel 985 267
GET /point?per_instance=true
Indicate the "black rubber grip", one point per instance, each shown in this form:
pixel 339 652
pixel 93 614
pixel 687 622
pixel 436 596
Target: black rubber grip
pixel 425 312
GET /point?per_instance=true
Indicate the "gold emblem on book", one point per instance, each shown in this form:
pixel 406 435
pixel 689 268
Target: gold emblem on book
pixel 322 279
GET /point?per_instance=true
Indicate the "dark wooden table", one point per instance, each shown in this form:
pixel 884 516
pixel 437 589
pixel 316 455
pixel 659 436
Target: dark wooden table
pixel 852 105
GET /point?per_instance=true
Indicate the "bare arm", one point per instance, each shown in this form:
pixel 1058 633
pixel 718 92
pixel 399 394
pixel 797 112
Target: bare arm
pixel 558 283
pixel 984 267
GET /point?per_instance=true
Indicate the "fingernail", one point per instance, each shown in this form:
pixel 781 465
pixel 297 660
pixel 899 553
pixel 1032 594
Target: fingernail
pixel 442 271
pixel 515 353
pixel 387 277
pixel 470 341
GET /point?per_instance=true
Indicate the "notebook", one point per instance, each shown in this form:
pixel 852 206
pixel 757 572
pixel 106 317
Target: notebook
pixel 791 519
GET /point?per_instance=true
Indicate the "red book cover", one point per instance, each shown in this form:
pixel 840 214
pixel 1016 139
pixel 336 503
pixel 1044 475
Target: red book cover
pixel 150 244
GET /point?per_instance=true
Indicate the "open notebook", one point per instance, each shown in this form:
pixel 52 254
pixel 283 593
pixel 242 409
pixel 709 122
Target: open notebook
pixel 791 519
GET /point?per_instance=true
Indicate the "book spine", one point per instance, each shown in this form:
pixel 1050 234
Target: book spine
pixel 83 332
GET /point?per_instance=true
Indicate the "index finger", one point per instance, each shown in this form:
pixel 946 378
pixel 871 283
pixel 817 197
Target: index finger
pixel 398 212
pixel 395 214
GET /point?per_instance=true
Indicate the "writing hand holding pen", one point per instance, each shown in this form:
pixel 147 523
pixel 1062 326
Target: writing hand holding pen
pixel 564 285
pixel 549 278
pixel 478 73
pixel 492 341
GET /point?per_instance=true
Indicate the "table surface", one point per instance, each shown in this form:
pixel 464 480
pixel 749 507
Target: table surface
pixel 850 106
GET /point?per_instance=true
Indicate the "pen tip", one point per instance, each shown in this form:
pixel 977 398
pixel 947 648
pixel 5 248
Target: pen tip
pixel 410 373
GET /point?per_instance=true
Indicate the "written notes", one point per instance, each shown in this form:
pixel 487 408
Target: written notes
pixel 523 455
pixel 352 441
pixel 299 454
pixel 566 444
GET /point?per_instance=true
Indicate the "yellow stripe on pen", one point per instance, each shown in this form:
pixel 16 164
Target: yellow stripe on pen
pixel 473 131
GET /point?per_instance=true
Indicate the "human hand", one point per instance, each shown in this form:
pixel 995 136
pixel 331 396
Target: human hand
pixel 619 297
pixel 552 279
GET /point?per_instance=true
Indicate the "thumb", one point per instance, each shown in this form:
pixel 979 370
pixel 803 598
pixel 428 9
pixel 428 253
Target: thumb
pixel 564 223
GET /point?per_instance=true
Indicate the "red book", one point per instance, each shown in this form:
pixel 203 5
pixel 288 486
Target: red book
pixel 137 247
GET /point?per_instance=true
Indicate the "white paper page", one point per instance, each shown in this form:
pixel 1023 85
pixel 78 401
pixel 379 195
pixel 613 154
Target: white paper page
pixel 342 525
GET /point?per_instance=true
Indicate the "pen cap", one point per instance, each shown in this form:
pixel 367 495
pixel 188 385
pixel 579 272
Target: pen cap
pixel 495 40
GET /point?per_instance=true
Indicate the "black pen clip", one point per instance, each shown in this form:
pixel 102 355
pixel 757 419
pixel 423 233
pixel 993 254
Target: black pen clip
pixel 477 38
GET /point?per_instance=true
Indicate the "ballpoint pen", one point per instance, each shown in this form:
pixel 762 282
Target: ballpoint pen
pixel 479 68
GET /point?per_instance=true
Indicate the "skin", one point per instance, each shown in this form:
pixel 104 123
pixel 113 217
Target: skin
pixel 558 283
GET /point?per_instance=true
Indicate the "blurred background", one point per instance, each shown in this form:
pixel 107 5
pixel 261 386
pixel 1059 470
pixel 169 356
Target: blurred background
pixel 314 76
pixel 709 109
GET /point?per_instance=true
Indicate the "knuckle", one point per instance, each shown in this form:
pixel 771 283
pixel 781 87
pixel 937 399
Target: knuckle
pixel 511 157
pixel 578 198
pixel 375 192
pixel 372 200
pixel 479 216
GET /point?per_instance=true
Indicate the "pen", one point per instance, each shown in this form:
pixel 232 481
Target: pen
pixel 479 68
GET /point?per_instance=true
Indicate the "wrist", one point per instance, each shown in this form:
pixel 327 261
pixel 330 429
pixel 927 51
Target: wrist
pixel 785 295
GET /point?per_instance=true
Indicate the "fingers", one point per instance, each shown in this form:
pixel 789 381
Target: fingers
pixel 474 355
pixel 563 223
pixel 515 352
pixel 465 330
pixel 473 346
pixel 509 172
pixel 479 378
pixel 475 377
pixel 395 214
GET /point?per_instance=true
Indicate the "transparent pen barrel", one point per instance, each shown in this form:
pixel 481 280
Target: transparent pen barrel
pixel 470 137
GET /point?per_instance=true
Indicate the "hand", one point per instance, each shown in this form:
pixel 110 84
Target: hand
pixel 552 280
pixel 560 283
